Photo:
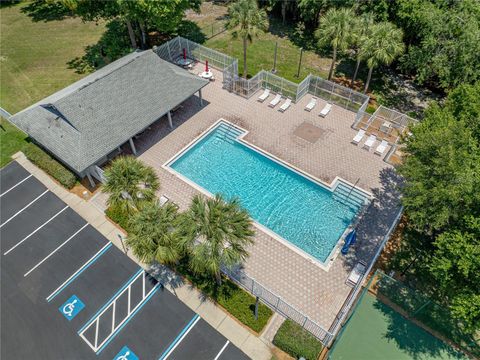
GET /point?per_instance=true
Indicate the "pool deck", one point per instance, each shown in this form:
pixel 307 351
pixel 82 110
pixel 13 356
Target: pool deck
pixel 318 293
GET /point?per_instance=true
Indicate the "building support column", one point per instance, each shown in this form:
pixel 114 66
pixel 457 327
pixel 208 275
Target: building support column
pixel 169 115
pixel 132 145
pixel 90 180
pixel 200 96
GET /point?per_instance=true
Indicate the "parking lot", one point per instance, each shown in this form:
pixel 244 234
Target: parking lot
pixel 68 293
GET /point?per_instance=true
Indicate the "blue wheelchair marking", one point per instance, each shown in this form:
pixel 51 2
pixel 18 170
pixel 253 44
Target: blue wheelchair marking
pixel 126 354
pixel 71 307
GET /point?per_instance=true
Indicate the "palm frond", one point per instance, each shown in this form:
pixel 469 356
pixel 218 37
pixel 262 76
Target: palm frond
pixel 216 232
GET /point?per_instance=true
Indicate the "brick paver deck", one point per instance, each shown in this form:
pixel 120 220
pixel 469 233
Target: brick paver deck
pixel 318 293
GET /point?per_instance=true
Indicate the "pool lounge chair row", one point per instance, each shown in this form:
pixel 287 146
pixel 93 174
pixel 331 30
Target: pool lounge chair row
pixel 313 102
pixel 275 100
pixel 370 142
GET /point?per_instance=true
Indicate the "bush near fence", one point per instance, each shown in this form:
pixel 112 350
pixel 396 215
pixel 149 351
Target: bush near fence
pixel 296 341
pixel 51 166
pixel 230 296
pixel 235 300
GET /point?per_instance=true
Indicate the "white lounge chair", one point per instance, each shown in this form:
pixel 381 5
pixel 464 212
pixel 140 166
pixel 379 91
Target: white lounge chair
pixel 285 105
pixel 370 141
pixel 163 200
pixel 381 148
pixel 356 274
pixel 358 137
pixel 264 96
pixel 325 110
pixel 275 101
pixel 311 104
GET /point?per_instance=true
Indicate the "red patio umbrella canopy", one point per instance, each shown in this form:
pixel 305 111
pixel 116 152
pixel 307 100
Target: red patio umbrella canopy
pixel 184 54
pixel 206 65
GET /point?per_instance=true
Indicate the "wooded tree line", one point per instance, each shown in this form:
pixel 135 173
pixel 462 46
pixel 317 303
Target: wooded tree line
pixel 440 251
pixel 442 38
pixel 140 16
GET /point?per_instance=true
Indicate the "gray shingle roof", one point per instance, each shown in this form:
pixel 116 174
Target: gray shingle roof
pixel 90 118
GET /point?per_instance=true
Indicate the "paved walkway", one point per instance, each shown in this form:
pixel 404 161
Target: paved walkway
pixel 248 342
pixel 302 283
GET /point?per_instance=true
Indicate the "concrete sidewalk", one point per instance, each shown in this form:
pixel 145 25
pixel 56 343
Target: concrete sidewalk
pixel 252 345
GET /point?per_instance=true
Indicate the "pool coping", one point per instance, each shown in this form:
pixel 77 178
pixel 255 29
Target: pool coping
pixel 325 265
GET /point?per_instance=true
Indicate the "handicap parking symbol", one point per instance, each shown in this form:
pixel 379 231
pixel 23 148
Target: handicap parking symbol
pixel 126 354
pixel 71 307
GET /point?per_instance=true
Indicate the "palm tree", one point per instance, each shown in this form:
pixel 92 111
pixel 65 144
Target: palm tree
pixel 215 233
pixel 336 30
pixel 152 236
pixel 382 47
pixel 130 183
pixel 246 20
pixel 361 32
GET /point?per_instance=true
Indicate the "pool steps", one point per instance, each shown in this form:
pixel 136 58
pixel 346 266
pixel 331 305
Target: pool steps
pixel 348 196
pixel 343 192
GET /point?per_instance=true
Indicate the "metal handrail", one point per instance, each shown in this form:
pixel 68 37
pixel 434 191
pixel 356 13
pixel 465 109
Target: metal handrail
pixel 351 189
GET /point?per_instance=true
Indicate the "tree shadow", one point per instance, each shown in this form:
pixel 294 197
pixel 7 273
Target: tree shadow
pixel 113 44
pixel 41 10
pixel 412 339
pixel 166 276
pixel 8 3
pixel 377 219
pixel 190 30
pixel 298 34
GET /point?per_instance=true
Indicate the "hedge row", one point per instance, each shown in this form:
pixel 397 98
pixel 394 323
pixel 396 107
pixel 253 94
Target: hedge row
pixel 230 296
pixel 50 165
pixel 119 216
pixel 235 300
pixel 297 342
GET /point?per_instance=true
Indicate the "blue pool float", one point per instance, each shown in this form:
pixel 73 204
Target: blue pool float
pixel 349 240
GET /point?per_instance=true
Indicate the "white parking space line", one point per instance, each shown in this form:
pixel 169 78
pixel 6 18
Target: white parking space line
pixel 177 341
pixel 34 231
pixel 99 344
pixel 222 350
pixel 14 186
pixel 79 271
pixel 18 212
pixel 54 251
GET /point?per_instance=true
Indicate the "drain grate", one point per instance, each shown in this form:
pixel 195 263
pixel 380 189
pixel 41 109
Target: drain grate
pixel 309 132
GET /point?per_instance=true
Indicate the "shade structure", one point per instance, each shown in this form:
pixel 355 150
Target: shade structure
pixel 184 54
pixel 206 65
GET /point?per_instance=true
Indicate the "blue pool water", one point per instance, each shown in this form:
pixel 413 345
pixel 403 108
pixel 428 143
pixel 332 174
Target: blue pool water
pixel 302 212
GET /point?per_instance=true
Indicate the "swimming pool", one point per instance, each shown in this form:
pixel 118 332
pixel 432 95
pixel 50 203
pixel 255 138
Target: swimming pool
pixel 299 210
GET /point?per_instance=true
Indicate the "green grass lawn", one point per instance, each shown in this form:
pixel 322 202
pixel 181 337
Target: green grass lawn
pixel 11 141
pixel 260 55
pixel 34 55
pixel 260 52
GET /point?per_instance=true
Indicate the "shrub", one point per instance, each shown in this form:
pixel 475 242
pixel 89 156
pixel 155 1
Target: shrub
pixel 371 109
pixel 235 300
pixel 241 304
pixel 296 341
pixel 50 165
pixel 118 215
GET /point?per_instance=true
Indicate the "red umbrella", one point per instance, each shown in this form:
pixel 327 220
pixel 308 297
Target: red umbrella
pixel 184 54
pixel 206 65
